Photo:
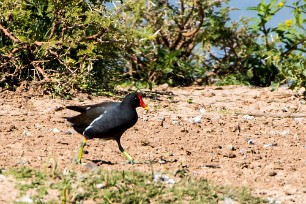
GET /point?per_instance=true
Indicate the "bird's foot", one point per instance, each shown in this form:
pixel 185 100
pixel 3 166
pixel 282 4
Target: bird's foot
pixel 77 161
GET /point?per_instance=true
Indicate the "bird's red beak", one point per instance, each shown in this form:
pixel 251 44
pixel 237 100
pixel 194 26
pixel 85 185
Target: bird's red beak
pixel 142 103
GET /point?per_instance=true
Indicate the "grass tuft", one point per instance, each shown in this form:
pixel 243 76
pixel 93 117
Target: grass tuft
pixel 122 187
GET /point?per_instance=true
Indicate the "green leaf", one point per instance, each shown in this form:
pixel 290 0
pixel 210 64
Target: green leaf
pixel 304 73
pixel 274 86
pixel 298 17
pixel 252 8
pixel 250 73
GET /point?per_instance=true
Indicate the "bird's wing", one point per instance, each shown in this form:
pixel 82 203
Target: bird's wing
pixel 83 109
pixel 83 120
pixel 111 124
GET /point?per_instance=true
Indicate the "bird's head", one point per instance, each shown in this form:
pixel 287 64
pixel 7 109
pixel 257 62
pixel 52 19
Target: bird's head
pixel 135 100
pixel 142 103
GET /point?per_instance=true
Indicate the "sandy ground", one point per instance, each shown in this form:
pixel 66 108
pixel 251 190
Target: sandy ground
pixel 232 135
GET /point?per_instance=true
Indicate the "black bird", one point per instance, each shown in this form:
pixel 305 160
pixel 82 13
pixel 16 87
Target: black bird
pixel 106 120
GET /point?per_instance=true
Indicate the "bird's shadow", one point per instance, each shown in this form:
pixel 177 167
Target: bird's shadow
pixel 100 162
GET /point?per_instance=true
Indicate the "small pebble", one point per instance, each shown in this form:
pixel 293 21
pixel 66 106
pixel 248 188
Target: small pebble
pixel 272 173
pixel 250 142
pixel 284 133
pixel 197 119
pixel 231 147
pixel 202 110
pixel 230 155
pixel 175 122
pixel 55 130
pixel 25 199
pixel 228 200
pixel 248 117
pixel 163 179
pixel 162 118
pixel 100 185
pixel 270 145
pixel 68 132
pixel 26 133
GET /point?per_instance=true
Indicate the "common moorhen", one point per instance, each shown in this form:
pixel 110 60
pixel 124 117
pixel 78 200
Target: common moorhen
pixel 106 120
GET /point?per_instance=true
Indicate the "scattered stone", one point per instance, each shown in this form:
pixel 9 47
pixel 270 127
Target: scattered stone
pixel 272 173
pixel 26 132
pixel 163 179
pixel 244 165
pixel 162 161
pixel 273 200
pixel 230 155
pixel 270 145
pixel 100 185
pixel 11 128
pixel 202 110
pixel 55 130
pixel 68 132
pixel 228 200
pixel 250 142
pixel 161 118
pixel 197 119
pixel 175 122
pixel 284 133
pixel 299 120
pixel 248 117
pixel 25 199
pixel 231 147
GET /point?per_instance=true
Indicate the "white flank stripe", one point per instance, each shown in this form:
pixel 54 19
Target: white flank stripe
pixel 91 124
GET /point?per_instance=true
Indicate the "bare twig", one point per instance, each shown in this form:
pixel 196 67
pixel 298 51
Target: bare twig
pixel 40 70
pixel 8 34
pixel 202 16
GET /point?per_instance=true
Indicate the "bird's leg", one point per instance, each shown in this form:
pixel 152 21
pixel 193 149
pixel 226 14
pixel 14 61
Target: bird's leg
pixel 129 158
pixel 78 160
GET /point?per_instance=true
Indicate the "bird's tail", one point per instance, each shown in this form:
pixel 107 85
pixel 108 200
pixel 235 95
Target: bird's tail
pixel 80 109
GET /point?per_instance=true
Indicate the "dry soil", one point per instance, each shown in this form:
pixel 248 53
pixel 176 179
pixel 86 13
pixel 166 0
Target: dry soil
pixel 233 135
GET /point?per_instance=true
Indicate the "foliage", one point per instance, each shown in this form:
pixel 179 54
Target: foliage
pixel 165 44
pixel 283 47
pixel 123 187
pixel 86 44
pixel 95 45
pixel 68 44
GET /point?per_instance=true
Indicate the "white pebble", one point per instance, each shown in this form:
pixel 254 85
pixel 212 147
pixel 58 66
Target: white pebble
pixel 55 130
pixel 100 185
pixel 202 110
pixel 197 119
pixel 248 117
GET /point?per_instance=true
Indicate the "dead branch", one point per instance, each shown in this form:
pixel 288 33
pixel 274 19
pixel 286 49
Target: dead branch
pixel 202 16
pixel 40 70
pixel 8 34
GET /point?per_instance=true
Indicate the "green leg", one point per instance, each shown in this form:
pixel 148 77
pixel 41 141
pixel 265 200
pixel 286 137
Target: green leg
pixel 129 158
pixel 80 154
